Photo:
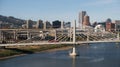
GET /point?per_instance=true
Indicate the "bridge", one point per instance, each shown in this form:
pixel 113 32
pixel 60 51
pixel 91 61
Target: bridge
pixel 58 36
pixel 48 43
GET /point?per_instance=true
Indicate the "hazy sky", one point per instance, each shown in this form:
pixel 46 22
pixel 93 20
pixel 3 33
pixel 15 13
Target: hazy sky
pixel 64 10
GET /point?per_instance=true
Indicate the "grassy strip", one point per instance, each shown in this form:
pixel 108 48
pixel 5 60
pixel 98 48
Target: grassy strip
pixel 5 53
pixel 11 51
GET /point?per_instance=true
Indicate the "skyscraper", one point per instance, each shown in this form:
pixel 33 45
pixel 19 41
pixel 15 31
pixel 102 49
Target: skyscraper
pixel 47 25
pixel 86 21
pixel 39 24
pixel 56 24
pixel 67 24
pixel 81 18
pixel 29 24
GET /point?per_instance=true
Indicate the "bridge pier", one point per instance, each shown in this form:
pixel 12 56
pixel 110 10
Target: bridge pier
pixel 44 25
pixel 28 35
pixel 62 24
pixel 70 35
pixel 55 35
pixel 88 36
pixel 3 36
pixel 15 35
pixel 0 35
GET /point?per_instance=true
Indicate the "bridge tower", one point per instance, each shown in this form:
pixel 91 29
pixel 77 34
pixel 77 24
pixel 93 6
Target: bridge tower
pixel 74 32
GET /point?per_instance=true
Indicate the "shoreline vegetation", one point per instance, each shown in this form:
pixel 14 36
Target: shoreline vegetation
pixel 14 51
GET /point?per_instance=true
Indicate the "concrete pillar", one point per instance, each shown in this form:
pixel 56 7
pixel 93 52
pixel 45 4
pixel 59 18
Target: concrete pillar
pixel 55 35
pixel 0 35
pixel 70 34
pixel 62 25
pixel 88 36
pixel 3 36
pixel 74 32
pixel 28 35
pixel 45 25
pixel 15 34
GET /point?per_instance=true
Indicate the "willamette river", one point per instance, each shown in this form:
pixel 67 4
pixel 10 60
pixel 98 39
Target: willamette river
pixel 92 55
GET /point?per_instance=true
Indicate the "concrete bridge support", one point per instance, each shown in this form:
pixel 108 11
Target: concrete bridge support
pixel 70 35
pixel 88 36
pixel 0 35
pixel 62 25
pixel 74 32
pixel 28 35
pixel 44 25
pixel 55 35
pixel 15 35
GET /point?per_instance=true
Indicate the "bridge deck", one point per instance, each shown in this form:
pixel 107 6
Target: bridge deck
pixel 50 43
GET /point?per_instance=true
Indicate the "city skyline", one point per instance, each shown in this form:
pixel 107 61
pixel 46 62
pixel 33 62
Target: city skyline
pixel 64 10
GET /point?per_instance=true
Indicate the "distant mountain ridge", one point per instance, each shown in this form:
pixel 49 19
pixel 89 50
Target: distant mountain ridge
pixel 12 20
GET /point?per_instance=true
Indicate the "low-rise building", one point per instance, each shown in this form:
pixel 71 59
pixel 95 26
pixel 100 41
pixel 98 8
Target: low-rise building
pixel 110 27
pixel 117 25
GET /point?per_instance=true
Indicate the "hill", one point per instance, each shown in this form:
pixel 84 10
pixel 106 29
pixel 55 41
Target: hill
pixel 13 22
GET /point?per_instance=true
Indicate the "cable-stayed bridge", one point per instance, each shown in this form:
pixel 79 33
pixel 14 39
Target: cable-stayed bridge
pixel 56 36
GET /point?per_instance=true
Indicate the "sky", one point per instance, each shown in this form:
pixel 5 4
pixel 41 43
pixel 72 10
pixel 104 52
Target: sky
pixel 64 10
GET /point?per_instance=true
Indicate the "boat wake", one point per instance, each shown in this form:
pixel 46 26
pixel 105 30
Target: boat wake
pixel 97 60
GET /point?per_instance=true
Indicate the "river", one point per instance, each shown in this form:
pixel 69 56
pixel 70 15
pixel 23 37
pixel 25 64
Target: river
pixel 92 55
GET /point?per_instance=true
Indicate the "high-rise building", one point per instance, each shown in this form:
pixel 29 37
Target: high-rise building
pixel 47 25
pixel 81 18
pixel 86 21
pixel 67 24
pixel 44 25
pixel 56 24
pixel 39 24
pixel 94 24
pixel 29 24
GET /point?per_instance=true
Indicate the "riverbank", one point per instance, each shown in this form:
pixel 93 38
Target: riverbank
pixel 13 51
